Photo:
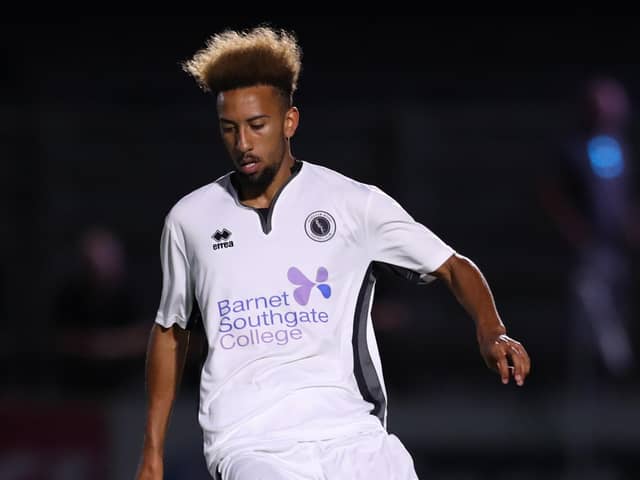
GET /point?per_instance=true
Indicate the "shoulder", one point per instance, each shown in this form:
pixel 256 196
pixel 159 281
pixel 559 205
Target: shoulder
pixel 336 182
pixel 196 203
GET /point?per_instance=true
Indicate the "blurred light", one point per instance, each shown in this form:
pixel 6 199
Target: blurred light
pixel 605 155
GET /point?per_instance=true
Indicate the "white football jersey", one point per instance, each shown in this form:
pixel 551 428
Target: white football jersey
pixel 285 298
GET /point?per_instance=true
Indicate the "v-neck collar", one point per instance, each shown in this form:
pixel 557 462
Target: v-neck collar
pixel 265 214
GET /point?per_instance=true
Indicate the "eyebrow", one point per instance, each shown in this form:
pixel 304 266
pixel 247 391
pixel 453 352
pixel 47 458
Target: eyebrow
pixel 250 119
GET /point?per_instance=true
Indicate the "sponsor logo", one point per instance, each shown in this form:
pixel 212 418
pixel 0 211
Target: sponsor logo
pixel 277 319
pixel 304 286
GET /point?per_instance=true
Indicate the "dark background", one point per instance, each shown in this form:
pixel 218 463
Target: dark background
pixel 458 117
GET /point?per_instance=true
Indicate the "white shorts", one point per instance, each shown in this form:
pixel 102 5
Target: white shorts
pixel 371 456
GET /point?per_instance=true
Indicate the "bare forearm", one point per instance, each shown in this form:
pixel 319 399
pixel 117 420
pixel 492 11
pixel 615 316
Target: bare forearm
pixel 470 288
pixel 165 363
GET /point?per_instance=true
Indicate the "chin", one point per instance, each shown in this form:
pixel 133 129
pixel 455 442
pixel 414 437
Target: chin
pixel 250 178
pixel 254 179
pixel 261 178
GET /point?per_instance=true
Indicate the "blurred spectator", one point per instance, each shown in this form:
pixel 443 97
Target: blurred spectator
pixel 101 340
pixel 591 199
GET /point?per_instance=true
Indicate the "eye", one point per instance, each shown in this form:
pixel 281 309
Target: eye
pixel 257 126
pixel 227 128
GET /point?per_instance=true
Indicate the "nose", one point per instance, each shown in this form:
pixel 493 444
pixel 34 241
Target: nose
pixel 242 141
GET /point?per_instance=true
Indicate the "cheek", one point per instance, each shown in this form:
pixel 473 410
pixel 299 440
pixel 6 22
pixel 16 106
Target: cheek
pixel 277 146
pixel 270 141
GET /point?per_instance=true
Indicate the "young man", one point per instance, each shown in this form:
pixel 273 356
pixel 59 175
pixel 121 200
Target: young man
pixel 277 256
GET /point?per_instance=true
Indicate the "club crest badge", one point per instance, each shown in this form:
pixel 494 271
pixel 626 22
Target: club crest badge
pixel 320 226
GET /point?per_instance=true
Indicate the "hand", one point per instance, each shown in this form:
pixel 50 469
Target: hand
pixel 150 468
pixel 499 350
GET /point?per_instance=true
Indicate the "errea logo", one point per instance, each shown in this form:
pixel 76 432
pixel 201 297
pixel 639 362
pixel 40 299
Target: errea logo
pixel 221 239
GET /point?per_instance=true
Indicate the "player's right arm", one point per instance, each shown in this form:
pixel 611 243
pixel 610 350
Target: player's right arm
pixel 166 355
pixel 167 348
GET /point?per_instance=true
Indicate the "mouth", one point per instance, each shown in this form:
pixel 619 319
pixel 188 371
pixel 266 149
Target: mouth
pixel 248 165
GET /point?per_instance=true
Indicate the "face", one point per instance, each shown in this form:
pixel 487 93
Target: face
pixel 255 124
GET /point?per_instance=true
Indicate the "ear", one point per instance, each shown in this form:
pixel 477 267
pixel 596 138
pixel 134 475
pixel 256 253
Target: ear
pixel 291 119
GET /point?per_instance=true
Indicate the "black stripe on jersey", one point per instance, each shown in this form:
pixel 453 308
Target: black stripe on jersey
pixel 402 272
pixel 195 325
pixel 364 369
pixel 195 317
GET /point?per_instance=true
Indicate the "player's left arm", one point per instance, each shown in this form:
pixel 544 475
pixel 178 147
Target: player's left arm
pixel 469 286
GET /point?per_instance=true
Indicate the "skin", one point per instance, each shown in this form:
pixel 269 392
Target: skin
pixel 256 124
pixel 165 363
pixel 501 353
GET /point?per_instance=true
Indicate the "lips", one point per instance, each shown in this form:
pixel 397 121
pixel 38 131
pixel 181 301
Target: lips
pixel 249 165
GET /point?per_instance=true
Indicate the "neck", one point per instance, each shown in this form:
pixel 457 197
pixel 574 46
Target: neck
pixel 261 197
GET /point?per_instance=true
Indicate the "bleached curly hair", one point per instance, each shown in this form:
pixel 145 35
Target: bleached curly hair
pixel 235 59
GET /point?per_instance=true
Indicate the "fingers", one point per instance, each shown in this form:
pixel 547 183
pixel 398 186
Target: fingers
pixel 520 360
pixel 503 368
pixel 508 357
pixel 527 361
pixel 518 364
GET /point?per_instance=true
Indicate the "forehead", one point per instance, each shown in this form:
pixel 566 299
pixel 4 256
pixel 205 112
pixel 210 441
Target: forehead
pixel 247 102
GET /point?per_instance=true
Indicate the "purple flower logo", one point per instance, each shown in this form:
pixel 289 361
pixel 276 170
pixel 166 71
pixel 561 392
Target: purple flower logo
pixel 304 285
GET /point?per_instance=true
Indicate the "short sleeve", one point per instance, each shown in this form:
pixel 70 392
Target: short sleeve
pixel 395 238
pixel 176 299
